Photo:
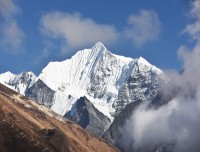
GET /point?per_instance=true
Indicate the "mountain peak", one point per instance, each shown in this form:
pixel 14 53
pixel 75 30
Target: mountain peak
pixel 18 82
pixel 99 44
pixel 26 75
pixel 142 60
pixel 145 65
pixel 99 48
pixel 6 77
pixel 28 72
pixel 8 72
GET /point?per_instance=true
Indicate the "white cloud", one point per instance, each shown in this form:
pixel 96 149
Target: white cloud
pixel 177 122
pixel 194 29
pixel 143 27
pixel 174 123
pixel 8 8
pixel 77 31
pixel 12 35
pixel 45 53
pixel 195 10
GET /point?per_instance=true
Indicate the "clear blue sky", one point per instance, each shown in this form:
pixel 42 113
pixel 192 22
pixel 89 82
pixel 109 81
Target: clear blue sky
pixel 33 33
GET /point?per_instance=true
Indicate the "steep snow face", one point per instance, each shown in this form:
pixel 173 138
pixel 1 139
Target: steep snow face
pixel 95 73
pixel 20 82
pixel 85 68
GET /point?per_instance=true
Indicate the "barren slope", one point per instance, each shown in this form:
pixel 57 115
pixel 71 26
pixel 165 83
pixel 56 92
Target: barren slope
pixel 27 126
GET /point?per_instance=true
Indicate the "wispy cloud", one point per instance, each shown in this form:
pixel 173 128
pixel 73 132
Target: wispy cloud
pixel 143 27
pixel 8 8
pixel 194 29
pixel 76 30
pixel 12 35
pixel 178 121
pixel 49 47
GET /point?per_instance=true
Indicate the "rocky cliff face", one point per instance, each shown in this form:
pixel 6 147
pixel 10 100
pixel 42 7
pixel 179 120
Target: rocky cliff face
pixel 86 115
pixel 142 84
pixel 41 93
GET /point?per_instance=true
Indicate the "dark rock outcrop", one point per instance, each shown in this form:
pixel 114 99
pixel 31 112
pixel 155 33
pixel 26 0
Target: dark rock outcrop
pixel 87 116
pixel 113 134
pixel 41 93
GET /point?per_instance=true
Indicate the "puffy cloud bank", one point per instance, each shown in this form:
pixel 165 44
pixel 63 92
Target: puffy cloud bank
pixel 178 121
pixel 76 31
pixel 143 27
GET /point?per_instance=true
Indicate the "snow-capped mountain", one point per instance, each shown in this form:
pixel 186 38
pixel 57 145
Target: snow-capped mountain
pixel 108 81
pixel 20 82
pixel 99 75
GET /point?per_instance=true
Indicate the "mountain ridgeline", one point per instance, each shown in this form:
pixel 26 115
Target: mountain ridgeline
pixel 91 88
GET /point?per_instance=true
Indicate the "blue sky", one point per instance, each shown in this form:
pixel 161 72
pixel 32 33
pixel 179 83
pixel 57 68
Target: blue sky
pixel 33 33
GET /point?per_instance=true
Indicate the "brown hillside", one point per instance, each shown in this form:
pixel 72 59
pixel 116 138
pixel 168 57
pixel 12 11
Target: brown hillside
pixel 28 127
